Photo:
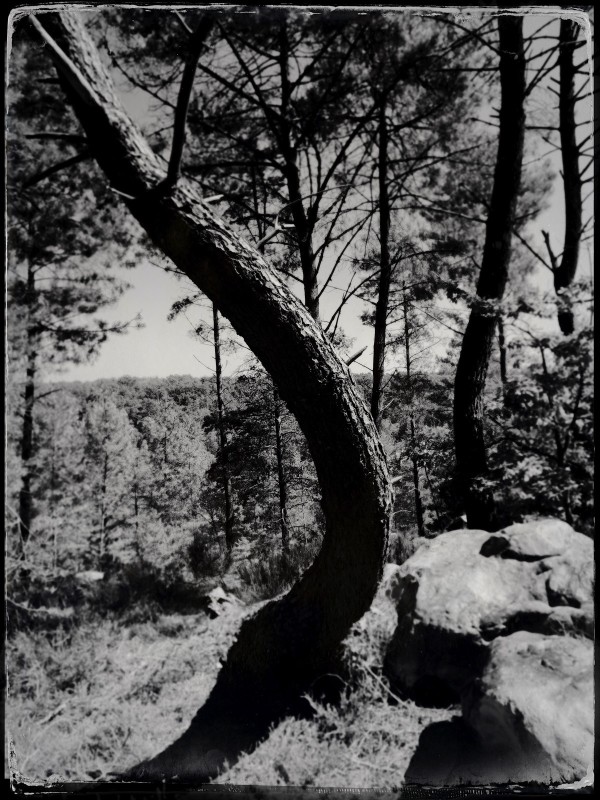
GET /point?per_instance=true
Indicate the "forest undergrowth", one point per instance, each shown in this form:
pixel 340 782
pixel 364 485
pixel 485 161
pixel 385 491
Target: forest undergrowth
pixel 98 695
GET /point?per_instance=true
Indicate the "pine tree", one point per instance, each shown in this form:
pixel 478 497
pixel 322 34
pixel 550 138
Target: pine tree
pixel 63 236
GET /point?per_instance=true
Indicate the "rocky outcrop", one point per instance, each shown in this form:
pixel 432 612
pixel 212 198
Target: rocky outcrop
pixel 533 707
pixel 501 623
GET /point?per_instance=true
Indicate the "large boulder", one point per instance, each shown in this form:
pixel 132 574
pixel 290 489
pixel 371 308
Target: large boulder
pixel 464 588
pixel 533 708
pixel 502 623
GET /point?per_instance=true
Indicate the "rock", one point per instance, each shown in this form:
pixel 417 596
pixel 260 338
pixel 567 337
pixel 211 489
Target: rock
pixel 388 582
pixel 449 753
pixel 465 588
pixel 440 749
pixel 539 617
pixel 217 600
pixel 533 708
pixel 531 541
pixel 502 622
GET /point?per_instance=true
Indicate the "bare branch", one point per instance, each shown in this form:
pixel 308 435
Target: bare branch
pixel 183 99
pixel 46 173
pixel 355 356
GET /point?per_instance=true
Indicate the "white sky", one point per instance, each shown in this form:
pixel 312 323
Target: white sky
pixel 165 348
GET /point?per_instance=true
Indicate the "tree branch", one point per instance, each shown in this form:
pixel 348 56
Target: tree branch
pixel 199 38
pixel 85 155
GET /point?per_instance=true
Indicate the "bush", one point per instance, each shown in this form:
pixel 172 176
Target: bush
pixel 205 557
pixel 268 572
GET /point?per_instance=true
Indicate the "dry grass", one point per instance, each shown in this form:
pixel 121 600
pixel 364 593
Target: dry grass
pixel 367 741
pixel 105 696
pixel 363 743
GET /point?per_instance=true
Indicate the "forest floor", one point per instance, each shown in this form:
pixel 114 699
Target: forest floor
pixel 87 702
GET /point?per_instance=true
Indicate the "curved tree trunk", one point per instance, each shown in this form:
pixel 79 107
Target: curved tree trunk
pixel 471 373
pixel 289 642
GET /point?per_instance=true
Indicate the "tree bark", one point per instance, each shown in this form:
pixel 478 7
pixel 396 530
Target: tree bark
pixel 229 516
pixel 564 273
pixel 289 642
pixel 503 356
pixel 471 460
pixel 385 272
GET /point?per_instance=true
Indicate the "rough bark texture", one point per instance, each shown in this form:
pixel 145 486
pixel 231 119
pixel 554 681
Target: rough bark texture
pixel 471 461
pixel 503 356
pixel 289 642
pixel 564 273
pixel 385 272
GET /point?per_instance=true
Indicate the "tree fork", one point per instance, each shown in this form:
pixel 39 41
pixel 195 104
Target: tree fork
pixel 285 646
pixel 471 373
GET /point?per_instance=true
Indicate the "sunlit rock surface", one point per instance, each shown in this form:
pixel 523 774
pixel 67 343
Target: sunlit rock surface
pixel 501 623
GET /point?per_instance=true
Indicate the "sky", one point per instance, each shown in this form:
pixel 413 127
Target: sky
pixel 163 347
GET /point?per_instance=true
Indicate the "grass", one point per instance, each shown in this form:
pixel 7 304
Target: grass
pixel 365 741
pixel 104 695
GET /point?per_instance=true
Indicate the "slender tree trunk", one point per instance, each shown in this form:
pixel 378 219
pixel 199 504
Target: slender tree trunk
pixel 226 480
pixel 292 176
pixel 471 459
pixel 310 278
pixel 136 518
pixel 284 524
pixel 415 473
pixel 432 493
pixel 503 360
pixel 385 272
pixel 564 273
pixel 282 482
pixel 25 497
pixel 136 526
pixel 52 503
pixel 102 545
pixel 413 434
pixel 289 642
